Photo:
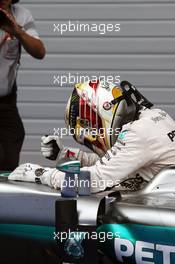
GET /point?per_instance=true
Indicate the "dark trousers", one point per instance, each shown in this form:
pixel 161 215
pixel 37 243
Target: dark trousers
pixel 14 250
pixel 11 132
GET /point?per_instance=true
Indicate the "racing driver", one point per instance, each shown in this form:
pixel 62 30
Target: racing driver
pixel 130 140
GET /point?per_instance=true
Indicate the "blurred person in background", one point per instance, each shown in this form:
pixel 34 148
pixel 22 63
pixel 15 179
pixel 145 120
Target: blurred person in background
pixel 17 30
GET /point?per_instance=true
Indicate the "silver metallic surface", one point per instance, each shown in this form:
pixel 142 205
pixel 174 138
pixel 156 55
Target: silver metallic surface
pixel 163 182
pixel 154 205
pixel 31 203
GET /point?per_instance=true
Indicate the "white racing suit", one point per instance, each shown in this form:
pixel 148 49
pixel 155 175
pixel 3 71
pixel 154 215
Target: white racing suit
pixel 144 147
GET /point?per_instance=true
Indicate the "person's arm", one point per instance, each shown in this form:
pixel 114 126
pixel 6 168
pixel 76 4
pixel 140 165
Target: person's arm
pixel 86 158
pixel 32 45
pixel 52 148
pixel 129 154
pixel 126 157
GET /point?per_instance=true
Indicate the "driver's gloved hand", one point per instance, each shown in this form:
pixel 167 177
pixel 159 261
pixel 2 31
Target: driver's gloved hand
pixel 52 147
pixel 35 173
pixel 32 173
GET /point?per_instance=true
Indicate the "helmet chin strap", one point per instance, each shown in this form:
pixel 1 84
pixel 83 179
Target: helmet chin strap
pixel 140 100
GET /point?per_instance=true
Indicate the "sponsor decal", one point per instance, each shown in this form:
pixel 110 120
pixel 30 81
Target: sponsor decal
pixel 171 135
pixel 143 252
pixel 122 135
pixel 39 172
pixel 107 106
pixel 162 115
pixel 73 245
pixel 140 244
pixel 69 154
pixel 105 85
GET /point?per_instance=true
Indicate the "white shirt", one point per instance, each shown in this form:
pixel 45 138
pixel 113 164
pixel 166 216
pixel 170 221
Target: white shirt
pixel 144 147
pixel 9 51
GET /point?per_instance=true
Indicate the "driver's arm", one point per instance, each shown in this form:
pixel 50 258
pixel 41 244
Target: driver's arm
pixel 52 148
pixel 129 154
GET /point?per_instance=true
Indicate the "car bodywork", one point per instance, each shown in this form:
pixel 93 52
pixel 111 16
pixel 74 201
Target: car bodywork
pixel 111 227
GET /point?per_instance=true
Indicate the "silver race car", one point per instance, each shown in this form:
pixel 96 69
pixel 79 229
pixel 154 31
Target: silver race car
pixel 109 227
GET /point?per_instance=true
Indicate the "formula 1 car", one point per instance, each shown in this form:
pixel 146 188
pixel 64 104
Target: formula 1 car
pixel 109 227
